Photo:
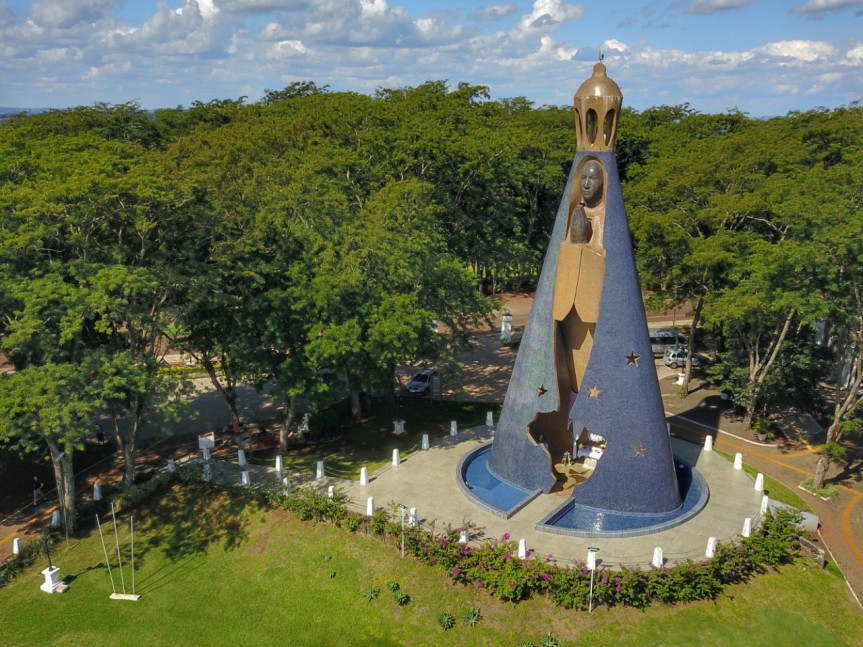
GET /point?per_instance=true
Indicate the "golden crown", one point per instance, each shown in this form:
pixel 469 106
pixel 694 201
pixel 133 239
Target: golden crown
pixel 597 109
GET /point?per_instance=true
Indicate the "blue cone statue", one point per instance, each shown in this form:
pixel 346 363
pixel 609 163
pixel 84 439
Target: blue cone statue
pixel 584 386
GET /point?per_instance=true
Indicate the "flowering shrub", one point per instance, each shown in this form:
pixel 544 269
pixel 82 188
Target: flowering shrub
pixel 494 564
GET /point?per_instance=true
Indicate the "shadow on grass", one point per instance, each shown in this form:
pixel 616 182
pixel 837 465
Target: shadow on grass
pixel 186 522
pixel 171 572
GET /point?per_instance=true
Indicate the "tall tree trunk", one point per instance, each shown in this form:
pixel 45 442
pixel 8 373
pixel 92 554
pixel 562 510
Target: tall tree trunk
pixel 64 474
pixel 820 472
pixel 227 390
pixel 760 369
pixel 690 345
pixel 289 411
pixel 356 400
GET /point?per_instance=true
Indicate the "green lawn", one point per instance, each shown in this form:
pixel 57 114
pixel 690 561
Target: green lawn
pixel 217 571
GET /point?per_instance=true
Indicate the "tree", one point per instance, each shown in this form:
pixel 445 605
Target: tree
pixel 49 406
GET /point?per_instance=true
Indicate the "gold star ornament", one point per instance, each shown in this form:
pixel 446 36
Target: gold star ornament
pixel 639 449
pixel 593 392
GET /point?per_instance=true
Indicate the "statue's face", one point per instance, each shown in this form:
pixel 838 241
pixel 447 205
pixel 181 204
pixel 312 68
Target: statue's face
pixel 591 183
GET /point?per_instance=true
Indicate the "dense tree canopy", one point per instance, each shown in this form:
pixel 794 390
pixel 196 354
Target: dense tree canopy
pixel 310 239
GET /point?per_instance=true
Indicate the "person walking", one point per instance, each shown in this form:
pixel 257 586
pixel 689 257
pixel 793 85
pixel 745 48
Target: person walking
pixel 37 490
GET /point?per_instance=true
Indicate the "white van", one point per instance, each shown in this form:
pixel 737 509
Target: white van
pixel 664 338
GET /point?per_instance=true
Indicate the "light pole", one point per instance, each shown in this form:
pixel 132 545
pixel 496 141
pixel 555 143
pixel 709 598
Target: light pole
pixel 402 507
pixel 591 564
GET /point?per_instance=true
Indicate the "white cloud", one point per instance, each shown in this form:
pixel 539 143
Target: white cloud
pixel 855 55
pixel 715 6
pixel 495 12
pixel 194 28
pixel 798 51
pixel 252 7
pixel 66 13
pixel 547 16
pixel 820 6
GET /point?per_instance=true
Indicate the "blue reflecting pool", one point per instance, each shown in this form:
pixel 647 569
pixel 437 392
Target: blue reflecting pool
pixel 504 499
pixel 488 491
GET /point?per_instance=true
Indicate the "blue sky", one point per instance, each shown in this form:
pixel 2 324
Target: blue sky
pixel 764 57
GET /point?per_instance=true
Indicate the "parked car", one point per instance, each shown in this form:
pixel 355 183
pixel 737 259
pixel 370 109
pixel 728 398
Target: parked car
pixel 675 357
pixel 420 383
pixel 662 339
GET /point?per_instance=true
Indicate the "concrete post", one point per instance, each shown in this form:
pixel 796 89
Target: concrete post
pixel 319 470
pixel 413 520
pixel 489 419
pixel 522 549
pixel 370 506
pixel 425 444
pixel 765 500
pixel 747 527
pixel 331 491
pixel 280 465
pixel 738 461
pixel 657 560
pixel 241 458
pixel 16 546
pixel 364 476
pixel 759 483
pixel 462 537
pixel 245 478
pixel 453 428
pixel 55 518
pixel 708 443
pixel 172 466
pixel 711 547
pixel 97 491
pixel 205 452
pixel 396 458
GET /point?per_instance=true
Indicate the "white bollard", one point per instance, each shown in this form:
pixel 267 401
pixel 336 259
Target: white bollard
pixel 413 520
pixel 759 482
pixel 711 547
pixel 241 458
pixel 522 549
pixel 462 537
pixel 453 428
pixel 55 518
pixel 489 419
pixel 319 470
pixel 399 427
pixel 331 491
pixel 97 491
pixel 205 452
pixel 208 475
pixel 172 466
pixel 765 500
pixel 370 506
pixel 747 527
pixel 244 477
pixel 280 465
pixel 285 482
pixel 657 560
pixel 16 546
pixel 364 476
pixel 738 461
pixel 425 444
pixel 708 443
pixel 396 458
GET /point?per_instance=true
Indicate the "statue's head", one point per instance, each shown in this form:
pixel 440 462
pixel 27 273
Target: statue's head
pixel 591 181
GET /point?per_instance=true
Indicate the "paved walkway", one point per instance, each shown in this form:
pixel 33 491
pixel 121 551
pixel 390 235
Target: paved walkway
pixel 426 480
